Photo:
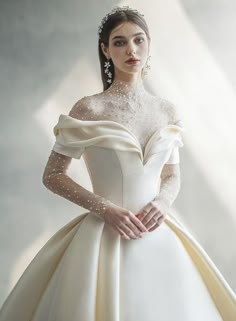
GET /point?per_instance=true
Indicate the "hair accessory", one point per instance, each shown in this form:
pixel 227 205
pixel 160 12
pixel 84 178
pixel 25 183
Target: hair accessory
pixel 114 10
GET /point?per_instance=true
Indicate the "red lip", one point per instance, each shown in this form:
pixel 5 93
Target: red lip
pixel 132 60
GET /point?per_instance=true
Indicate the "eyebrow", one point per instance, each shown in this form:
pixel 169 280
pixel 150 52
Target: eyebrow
pixel 137 33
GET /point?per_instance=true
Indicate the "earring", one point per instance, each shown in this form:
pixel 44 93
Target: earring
pixel 147 66
pixel 107 71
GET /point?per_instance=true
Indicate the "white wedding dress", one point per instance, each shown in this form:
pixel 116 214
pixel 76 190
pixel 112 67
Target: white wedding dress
pixel 87 272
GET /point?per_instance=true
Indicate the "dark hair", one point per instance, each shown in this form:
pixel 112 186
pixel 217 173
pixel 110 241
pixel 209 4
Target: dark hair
pixel 112 22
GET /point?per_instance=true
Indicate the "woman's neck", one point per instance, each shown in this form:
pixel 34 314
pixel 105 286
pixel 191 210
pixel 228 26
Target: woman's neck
pixel 127 89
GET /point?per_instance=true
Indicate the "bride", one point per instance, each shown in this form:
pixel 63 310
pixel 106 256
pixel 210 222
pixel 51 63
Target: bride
pixel 127 258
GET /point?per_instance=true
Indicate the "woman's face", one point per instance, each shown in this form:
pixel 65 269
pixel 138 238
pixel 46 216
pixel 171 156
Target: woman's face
pixel 127 41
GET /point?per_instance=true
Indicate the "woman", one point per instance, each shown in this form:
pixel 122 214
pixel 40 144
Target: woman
pixel 127 258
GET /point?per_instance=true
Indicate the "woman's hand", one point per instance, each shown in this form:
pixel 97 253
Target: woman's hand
pixel 124 222
pixel 153 214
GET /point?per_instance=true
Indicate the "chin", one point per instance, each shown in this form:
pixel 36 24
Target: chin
pixel 132 69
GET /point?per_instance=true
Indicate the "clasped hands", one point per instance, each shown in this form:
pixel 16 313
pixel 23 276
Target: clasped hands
pixel 132 225
pixel 152 214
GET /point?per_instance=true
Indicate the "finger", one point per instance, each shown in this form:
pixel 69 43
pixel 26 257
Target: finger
pixel 158 223
pixel 143 213
pixel 146 209
pixel 138 224
pixel 161 219
pixel 114 229
pixel 149 216
pixel 122 234
pixel 153 219
pixel 126 229
pixel 137 231
pixel 118 230
pixel 154 227
pixel 151 223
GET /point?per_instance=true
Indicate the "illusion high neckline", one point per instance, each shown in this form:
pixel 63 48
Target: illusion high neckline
pixel 126 89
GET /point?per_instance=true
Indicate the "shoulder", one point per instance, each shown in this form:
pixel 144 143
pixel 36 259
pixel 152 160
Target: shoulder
pixel 171 110
pixel 84 108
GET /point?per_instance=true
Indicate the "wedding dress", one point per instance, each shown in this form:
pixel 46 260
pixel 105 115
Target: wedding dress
pixel 86 271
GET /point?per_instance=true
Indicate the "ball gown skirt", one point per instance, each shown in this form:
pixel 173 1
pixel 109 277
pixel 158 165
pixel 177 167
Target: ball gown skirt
pixel 87 272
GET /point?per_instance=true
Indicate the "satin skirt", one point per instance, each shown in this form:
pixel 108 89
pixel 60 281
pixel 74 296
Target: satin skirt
pixel 87 272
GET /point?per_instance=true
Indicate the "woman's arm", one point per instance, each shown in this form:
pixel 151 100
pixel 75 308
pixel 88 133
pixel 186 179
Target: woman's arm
pixel 170 175
pixel 170 186
pixel 56 179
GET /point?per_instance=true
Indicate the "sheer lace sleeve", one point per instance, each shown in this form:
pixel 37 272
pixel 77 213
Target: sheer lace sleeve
pixel 56 179
pixel 170 186
pixel 170 176
pixel 175 118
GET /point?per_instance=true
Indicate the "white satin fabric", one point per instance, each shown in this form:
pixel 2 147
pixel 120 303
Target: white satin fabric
pixel 86 272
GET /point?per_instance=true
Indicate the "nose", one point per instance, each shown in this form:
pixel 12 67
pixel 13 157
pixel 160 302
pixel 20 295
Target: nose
pixel 131 49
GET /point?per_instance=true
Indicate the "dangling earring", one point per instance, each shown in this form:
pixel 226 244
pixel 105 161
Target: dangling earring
pixel 107 71
pixel 147 66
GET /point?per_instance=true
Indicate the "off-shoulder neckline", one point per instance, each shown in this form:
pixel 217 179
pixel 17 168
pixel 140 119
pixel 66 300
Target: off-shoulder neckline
pixel 115 123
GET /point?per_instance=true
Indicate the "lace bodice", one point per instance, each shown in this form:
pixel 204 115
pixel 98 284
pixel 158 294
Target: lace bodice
pixel 142 114
pixel 136 109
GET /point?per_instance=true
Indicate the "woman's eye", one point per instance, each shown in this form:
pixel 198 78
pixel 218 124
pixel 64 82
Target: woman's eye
pixel 121 42
pixel 140 39
pixel 117 43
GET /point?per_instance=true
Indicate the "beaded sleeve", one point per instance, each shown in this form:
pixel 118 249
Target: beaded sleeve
pixel 56 179
pixel 170 186
pixel 170 175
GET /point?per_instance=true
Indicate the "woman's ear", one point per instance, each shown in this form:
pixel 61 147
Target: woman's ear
pixel 105 50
